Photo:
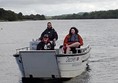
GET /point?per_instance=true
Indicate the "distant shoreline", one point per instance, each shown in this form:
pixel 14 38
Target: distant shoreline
pixel 58 19
pixel 8 15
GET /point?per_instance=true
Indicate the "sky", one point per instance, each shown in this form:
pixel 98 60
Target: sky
pixel 57 7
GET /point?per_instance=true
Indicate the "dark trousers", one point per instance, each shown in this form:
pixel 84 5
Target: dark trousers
pixel 73 49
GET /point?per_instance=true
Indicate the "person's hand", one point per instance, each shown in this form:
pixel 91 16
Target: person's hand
pixel 54 39
pixel 67 46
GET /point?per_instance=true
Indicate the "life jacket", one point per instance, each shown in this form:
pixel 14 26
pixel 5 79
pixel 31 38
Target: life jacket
pixel 73 38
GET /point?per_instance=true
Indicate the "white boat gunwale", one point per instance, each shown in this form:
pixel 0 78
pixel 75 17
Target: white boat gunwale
pixel 40 51
pixel 76 54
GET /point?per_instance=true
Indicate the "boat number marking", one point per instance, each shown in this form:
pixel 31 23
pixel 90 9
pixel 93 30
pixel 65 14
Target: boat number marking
pixel 72 59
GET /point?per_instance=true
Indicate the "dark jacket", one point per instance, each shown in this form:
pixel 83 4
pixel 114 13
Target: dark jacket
pixel 51 33
pixel 45 46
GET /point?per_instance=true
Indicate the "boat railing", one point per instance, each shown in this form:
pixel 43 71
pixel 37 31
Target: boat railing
pixel 24 48
pixel 59 51
pixel 83 49
pixel 78 50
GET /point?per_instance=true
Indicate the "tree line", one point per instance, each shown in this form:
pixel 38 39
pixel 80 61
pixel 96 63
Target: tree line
pixel 8 15
pixel 110 14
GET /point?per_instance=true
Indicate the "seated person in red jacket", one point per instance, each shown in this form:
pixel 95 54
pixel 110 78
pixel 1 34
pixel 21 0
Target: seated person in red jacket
pixel 45 44
pixel 72 41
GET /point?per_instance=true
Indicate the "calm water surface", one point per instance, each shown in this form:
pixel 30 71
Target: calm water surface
pixel 102 35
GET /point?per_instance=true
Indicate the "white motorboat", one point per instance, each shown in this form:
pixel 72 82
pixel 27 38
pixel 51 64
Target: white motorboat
pixel 49 64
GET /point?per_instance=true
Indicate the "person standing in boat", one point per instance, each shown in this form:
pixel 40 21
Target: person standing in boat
pixel 53 36
pixel 45 44
pixel 72 41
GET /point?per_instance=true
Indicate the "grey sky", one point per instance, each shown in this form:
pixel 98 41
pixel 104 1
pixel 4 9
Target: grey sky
pixel 57 7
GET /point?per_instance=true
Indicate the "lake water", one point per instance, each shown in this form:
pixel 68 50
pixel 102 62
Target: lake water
pixel 102 35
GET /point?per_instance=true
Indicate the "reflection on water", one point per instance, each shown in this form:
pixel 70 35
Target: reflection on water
pixel 83 78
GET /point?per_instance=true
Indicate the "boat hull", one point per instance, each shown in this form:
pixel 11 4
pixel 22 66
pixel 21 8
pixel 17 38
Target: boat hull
pixel 49 64
pixel 71 66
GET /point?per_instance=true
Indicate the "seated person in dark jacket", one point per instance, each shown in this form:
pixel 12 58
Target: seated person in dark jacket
pixel 45 44
pixel 53 36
